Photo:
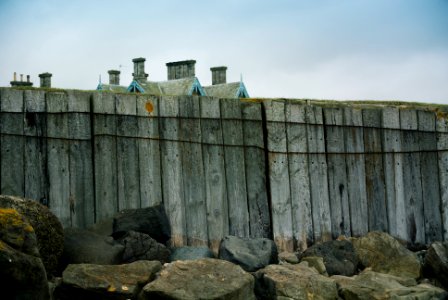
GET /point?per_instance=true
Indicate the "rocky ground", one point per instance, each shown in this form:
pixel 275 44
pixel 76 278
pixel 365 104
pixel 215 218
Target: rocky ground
pixel 127 257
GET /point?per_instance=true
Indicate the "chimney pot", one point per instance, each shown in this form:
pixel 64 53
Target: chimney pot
pixel 114 77
pixel 21 77
pixel 27 78
pixel 15 76
pixel 45 80
pixel 139 69
pixel 181 69
pixel 219 75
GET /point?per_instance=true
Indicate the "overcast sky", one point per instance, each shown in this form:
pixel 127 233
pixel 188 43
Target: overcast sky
pixel 318 49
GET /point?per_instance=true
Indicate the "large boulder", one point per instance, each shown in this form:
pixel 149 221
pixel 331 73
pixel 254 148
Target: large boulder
pixel 297 281
pixel 339 256
pixel 436 263
pixel 83 246
pixel 151 220
pixel 190 253
pixel 22 273
pixel 384 254
pixel 48 229
pixel 373 285
pixel 88 281
pixel 250 253
pixel 140 246
pixel 204 279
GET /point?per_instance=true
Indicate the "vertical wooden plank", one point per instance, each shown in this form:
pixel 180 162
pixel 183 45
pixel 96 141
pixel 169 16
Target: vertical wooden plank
pixel 35 130
pixel 429 167
pixel 255 164
pixel 149 150
pixel 81 164
pixel 279 175
pixel 393 173
pixel 318 174
pixel 232 127
pixel 442 153
pixel 193 171
pixel 337 174
pixel 127 152
pixel 105 155
pixel 12 142
pixel 214 172
pixel 376 194
pixel 58 156
pixel 302 219
pixel 412 176
pixel 172 185
pixel 354 146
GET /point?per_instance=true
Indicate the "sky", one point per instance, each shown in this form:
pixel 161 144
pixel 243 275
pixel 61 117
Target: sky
pixel 314 49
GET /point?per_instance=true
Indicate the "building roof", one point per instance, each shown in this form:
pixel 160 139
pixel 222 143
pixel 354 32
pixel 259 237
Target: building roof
pixel 185 86
pixel 111 87
pixel 227 90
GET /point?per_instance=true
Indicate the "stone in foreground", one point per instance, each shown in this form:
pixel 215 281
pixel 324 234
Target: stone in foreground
pixel 204 279
pixel 87 281
pixel 293 282
pixel 140 246
pixel 190 253
pixel 436 263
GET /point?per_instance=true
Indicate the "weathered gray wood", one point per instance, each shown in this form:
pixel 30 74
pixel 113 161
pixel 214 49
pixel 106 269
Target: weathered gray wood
pixel 58 148
pixel 105 155
pixel 412 176
pixel 127 152
pixel 232 127
pixel 354 146
pixel 430 186
pixel 337 174
pixel 318 173
pixel 375 188
pixel 281 210
pixel 149 151
pixel 81 164
pixel 172 185
pixel 255 164
pixel 393 172
pixel 302 219
pixel 214 172
pixel 442 152
pixel 35 129
pixel 193 171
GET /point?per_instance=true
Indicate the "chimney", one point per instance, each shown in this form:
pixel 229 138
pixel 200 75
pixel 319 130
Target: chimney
pixel 181 69
pixel 218 75
pixel 139 69
pixel 114 77
pixel 14 82
pixel 45 80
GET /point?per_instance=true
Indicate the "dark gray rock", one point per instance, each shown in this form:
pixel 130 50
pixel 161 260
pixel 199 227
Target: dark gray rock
pixel 151 220
pixel 250 254
pixel 190 253
pixel 140 246
pixel 339 257
pixel 436 263
pixel 83 246
pixel 103 227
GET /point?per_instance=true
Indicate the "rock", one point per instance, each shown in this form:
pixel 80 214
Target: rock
pixel 88 281
pixel 22 273
pixel 339 256
pixel 436 263
pixel 103 227
pixel 83 246
pixel 293 282
pixel 190 253
pixel 204 279
pixel 384 254
pixel 48 229
pixel 140 246
pixel 250 254
pixel 373 285
pixel 288 257
pixel 317 263
pixel 151 220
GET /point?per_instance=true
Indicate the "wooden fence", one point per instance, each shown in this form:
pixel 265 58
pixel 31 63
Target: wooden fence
pixel 295 171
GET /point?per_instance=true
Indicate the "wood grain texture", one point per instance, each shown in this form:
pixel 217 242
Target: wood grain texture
pixel 442 153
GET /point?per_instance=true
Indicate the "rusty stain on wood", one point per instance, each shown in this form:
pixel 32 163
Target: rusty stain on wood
pixel 149 107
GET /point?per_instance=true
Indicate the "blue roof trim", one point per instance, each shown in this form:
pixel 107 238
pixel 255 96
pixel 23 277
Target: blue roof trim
pixel 197 87
pixel 99 87
pixel 135 86
pixel 242 92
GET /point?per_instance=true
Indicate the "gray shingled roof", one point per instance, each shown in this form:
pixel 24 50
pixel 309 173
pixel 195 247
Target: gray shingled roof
pixel 225 90
pixel 169 88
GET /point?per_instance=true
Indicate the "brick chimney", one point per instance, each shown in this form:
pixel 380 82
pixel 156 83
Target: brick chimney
pixel 218 75
pixel 114 77
pixel 181 69
pixel 139 69
pixel 45 80
pixel 15 82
